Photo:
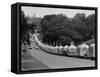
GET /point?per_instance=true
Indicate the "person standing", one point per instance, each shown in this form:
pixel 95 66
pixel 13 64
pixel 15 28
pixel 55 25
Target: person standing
pixel 60 50
pixel 84 49
pixel 72 49
pixel 93 49
pixel 66 49
pixel 55 49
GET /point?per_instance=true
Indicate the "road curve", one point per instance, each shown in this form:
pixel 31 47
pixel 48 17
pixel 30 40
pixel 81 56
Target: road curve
pixel 56 61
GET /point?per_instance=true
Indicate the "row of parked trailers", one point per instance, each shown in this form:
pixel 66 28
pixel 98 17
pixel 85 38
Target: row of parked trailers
pixel 82 50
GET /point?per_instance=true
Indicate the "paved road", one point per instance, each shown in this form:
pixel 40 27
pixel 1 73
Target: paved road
pixel 55 61
pixel 29 62
pixel 33 65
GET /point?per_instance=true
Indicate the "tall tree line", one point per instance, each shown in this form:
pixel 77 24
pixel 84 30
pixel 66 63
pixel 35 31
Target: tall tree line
pixel 59 29
pixel 25 29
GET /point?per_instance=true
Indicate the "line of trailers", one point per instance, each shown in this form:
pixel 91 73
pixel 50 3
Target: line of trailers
pixel 81 51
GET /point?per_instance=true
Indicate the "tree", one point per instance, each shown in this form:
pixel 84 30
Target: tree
pixel 61 29
pixel 91 24
pixel 25 28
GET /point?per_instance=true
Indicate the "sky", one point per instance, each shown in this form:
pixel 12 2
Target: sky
pixel 41 11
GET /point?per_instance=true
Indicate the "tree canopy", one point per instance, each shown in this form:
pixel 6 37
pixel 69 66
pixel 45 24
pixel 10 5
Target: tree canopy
pixel 60 29
pixel 25 28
